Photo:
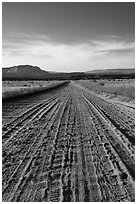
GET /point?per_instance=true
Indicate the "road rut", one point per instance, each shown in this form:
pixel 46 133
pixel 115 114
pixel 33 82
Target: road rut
pixel 68 145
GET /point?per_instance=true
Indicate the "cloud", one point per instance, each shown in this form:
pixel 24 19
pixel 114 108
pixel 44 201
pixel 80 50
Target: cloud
pixel 29 35
pixel 111 45
pixel 40 50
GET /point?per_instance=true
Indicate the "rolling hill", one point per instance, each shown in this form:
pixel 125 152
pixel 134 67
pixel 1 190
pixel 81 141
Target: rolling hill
pixel 112 71
pixel 29 72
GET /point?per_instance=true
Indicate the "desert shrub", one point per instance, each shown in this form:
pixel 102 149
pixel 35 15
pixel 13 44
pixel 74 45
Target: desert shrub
pixel 94 80
pixel 102 84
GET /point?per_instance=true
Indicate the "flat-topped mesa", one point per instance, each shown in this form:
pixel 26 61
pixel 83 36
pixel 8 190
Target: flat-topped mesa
pixel 22 71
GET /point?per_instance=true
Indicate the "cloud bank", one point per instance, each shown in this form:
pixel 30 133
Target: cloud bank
pixel 41 50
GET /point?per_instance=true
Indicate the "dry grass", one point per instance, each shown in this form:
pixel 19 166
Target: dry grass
pixel 117 87
pixel 124 90
pixel 18 90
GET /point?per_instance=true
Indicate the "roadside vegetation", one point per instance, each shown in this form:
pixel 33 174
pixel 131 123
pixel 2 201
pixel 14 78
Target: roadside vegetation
pixel 21 88
pixel 124 87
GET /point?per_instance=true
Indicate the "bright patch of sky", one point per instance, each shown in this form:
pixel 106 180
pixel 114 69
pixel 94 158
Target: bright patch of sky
pixel 89 37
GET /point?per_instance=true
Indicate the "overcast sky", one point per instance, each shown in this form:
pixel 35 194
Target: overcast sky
pixel 69 36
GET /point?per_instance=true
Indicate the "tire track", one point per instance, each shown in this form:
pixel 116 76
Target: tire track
pixel 117 116
pixel 13 125
pixel 120 189
pixel 126 158
pixel 39 143
pixel 66 148
pixel 24 116
pixel 115 159
pixel 35 142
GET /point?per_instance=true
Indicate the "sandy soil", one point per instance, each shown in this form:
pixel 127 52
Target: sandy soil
pixel 68 145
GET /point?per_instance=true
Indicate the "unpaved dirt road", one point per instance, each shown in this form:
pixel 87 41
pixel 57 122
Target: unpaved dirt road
pixel 68 145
